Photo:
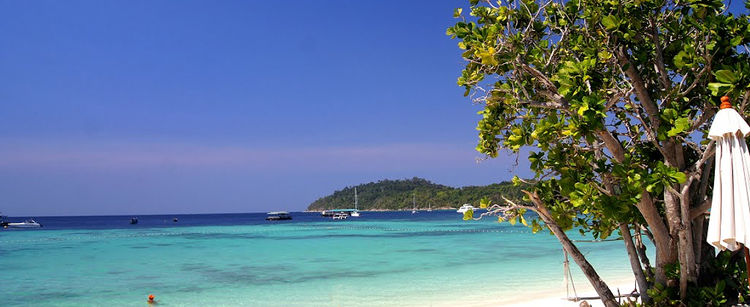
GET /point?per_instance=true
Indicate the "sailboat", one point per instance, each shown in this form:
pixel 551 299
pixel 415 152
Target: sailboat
pixel 355 213
pixel 414 203
pixel 429 207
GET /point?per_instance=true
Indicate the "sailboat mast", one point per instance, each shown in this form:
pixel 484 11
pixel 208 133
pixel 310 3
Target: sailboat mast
pixel 355 198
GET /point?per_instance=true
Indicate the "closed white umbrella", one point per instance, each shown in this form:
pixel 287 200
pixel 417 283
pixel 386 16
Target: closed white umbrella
pixel 729 223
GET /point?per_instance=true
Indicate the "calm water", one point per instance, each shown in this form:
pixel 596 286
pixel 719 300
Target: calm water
pixel 379 259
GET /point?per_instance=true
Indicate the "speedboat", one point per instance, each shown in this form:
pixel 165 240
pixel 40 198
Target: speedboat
pixel 134 221
pixel 30 223
pixel 278 215
pixel 340 216
pixel 464 208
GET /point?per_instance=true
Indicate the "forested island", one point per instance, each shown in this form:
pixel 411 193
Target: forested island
pixel 399 195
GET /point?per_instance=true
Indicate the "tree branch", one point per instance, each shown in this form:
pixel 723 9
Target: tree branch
pixel 659 65
pixel 640 88
pixel 700 210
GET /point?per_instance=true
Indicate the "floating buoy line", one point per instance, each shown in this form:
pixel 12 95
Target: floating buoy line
pixel 100 236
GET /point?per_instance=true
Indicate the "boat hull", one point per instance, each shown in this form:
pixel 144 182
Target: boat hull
pixel 23 225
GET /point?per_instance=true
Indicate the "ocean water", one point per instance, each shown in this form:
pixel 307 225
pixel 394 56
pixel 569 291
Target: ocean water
pixel 380 259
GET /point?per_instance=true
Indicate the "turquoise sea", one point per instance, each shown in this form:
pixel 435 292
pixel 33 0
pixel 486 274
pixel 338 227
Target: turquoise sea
pixel 380 259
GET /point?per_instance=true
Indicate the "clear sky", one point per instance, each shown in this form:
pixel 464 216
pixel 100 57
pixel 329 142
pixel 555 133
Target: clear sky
pixel 139 107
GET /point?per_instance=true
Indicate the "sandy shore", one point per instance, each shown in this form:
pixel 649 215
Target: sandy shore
pixel 625 286
pixel 552 298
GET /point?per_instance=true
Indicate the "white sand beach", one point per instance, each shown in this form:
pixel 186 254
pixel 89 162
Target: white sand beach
pixel 584 290
pixel 552 298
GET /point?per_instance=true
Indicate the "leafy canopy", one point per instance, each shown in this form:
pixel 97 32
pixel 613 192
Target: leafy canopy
pixel 567 77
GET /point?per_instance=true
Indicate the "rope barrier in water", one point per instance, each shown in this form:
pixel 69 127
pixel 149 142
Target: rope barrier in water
pixel 95 237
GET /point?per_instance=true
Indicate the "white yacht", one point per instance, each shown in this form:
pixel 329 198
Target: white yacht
pixel 414 203
pixel 30 223
pixel 355 213
pixel 464 208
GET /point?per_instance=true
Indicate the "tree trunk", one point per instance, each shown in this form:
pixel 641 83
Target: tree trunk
pixel 606 296
pixel 698 240
pixel 635 263
pixel 663 243
pixel 688 272
pixel 641 248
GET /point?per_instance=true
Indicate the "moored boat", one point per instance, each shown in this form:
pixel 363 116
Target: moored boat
pixel 355 213
pixel 134 221
pixel 278 215
pixel 30 223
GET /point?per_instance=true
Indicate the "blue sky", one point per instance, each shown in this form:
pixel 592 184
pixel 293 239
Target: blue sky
pixel 138 107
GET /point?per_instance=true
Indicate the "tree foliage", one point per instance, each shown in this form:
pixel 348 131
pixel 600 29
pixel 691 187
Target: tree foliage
pixel 616 98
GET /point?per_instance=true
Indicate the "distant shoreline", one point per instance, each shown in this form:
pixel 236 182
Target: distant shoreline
pixel 187 214
pixel 388 210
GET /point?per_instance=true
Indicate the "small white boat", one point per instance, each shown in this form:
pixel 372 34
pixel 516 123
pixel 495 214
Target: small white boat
pixel 355 213
pixel 414 203
pixel 340 216
pixel 464 208
pixel 30 223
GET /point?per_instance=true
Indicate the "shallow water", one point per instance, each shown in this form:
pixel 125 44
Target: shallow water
pixel 379 259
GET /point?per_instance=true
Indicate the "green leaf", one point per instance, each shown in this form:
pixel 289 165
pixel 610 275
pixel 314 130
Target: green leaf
pixel 680 125
pixel 679 59
pixel 679 176
pixel 484 202
pixel 457 12
pixel 584 107
pixel 488 56
pixel 725 76
pixel 736 40
pixel 718 88
pixel 513 220
pixel 610 22
pixel 468 215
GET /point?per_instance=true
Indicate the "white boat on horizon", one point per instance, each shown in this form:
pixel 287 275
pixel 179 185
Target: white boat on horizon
pixel 465 207
pixel 355 213
pixel 30 223
pixel 414 203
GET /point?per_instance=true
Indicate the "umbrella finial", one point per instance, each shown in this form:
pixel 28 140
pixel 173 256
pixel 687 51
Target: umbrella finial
pixel 725 104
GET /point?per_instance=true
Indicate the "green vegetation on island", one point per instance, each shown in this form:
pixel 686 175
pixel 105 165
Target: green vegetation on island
pixel 400 195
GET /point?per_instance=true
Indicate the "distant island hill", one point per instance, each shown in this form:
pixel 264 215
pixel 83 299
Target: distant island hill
pixel 404 194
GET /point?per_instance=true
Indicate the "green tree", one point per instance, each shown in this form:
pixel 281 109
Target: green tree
pixel 616 97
